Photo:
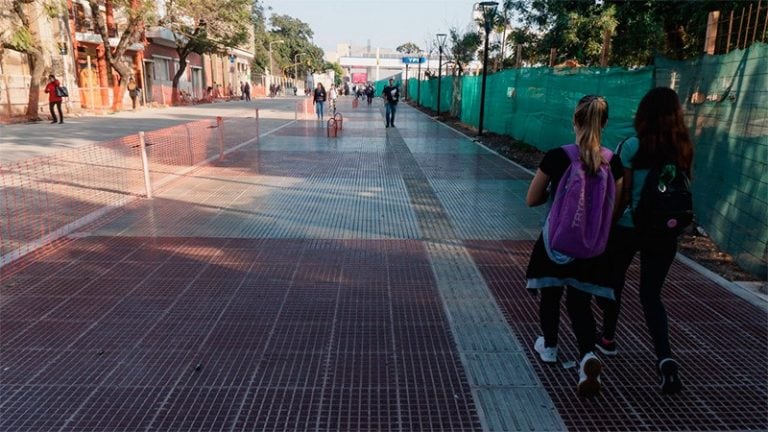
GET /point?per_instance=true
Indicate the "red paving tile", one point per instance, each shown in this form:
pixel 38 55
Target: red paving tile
pixel 210 334
pixel 720 341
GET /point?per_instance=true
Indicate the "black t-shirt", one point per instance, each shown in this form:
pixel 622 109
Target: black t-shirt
pixel 391 94
pixel 556 161
pixel 319 95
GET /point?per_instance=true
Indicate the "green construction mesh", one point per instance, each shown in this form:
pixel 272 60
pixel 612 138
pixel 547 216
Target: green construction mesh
pixel 725 98
pixel 536 105
pixel 726 103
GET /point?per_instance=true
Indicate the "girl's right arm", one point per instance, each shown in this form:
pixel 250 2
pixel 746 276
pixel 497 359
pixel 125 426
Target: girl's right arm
pixel 537 191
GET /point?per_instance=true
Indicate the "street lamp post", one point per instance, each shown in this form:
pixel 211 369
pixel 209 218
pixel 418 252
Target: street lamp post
pixel 440 44
pixel 271 68
pixel 418 82
pixel 489 10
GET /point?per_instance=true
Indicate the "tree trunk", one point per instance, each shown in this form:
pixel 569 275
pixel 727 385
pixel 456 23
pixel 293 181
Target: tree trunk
pixel 114 56
pixel 456 102
pixel 35 60
pixel 177 77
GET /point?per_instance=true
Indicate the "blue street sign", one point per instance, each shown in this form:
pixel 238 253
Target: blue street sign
pixel 414 60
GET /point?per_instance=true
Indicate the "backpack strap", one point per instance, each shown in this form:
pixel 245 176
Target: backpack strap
pixel 621 145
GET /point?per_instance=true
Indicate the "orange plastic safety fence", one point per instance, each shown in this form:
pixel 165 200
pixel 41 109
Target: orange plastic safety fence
pixel 46 198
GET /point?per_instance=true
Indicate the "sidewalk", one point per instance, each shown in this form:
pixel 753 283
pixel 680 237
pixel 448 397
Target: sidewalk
pixel 373 281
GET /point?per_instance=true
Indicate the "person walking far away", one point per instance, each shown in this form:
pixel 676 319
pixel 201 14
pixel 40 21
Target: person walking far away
pixel 133 91
pixel 54 98
pixel 333 94
pixel 657 160
pixel 319 99
pixel 247 91
pixel 585 179
pixel 391 97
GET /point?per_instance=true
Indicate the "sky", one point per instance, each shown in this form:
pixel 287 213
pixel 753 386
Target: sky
pixel 387 23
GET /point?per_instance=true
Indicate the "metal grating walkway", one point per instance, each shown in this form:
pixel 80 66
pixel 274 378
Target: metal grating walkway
pixel 369 282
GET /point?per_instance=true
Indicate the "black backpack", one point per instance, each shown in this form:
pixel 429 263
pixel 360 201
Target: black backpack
pixel 666 202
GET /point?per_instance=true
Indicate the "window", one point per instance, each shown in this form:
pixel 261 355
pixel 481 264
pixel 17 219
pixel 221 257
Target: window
pixel 161 69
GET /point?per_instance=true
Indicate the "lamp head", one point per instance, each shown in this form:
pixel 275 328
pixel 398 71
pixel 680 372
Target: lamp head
pixel 441 40
pixel 489 10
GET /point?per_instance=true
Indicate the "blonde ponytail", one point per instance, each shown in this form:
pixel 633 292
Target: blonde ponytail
pixel 590 118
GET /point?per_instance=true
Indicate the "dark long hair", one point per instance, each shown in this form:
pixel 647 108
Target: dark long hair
pixel 662 132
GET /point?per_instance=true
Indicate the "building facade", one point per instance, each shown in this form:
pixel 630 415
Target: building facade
pixel 74 51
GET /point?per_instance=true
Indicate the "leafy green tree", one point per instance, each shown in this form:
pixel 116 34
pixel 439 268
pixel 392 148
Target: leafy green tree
pixel 205 26
pixel 640 28
pixel 260 38
pixel 297 39
pixel 408 48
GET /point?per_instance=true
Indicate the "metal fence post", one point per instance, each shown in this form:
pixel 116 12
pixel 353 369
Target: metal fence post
pixel 220 127
pixel 257 125
pixel 145 165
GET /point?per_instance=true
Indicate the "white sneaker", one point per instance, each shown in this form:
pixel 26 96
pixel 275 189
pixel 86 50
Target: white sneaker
pixel 547 354
pixel 589 376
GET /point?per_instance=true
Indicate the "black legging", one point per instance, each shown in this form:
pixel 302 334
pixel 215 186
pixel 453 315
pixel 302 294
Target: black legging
pixel 579 305
pixel 53 114
pixel 656 257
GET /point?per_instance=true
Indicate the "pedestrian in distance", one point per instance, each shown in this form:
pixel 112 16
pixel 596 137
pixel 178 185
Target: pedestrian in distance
pixel 318 98
pixel 370 92
pixel 662 147
pixel 53 88
pixel 247 90
pixel 133 91
pixel 333 94
pixel 391 96
pixel 583 181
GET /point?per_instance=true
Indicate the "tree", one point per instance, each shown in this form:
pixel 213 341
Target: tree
pixel 205 26
pixel 136 13
pixel 297 39
pixel 25 38
pixel 408 48
pixel 260 38
pixel 639 28
pixel 462 49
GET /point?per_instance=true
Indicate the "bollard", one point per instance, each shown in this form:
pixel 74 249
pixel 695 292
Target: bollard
pixel 220 127
pixel 257 125
pixel 332 131
pixel 339 120
pixel 145 165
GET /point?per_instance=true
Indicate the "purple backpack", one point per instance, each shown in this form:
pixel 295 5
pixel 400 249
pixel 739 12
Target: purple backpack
pixel 579 221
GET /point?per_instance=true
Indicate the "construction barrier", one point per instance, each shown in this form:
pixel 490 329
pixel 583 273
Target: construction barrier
pixel 47 198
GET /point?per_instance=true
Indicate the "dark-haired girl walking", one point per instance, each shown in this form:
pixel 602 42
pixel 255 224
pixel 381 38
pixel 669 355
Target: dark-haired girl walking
pixel 662 139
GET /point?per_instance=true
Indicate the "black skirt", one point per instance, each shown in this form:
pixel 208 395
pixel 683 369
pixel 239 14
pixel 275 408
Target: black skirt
pixel 592 275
